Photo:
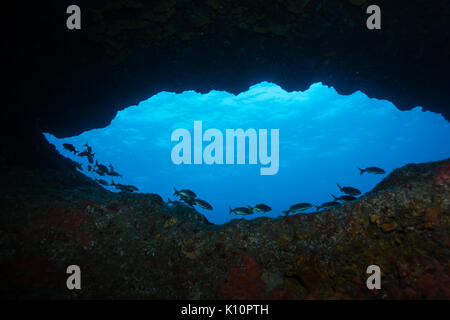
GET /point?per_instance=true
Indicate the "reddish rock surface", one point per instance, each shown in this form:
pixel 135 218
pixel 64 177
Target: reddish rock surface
pixel 137 246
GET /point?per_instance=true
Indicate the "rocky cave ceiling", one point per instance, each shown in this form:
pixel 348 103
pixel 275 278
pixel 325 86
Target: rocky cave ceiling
pixel 66 82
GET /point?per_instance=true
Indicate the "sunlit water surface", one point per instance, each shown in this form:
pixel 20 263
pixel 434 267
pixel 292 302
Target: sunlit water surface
pixel 323 138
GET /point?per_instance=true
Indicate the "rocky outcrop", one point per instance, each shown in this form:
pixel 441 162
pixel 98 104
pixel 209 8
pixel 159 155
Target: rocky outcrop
pixel 136 246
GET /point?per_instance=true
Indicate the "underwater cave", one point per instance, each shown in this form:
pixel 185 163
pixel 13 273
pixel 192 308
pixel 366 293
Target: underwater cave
pixel 248 104
pixel 324 138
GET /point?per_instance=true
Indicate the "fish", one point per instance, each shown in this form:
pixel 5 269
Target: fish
pixel 185 193
pixel 89 168
pixel 242 211
pixel 88 147
pixel 100 166
pixel 101 169
pixel 83 154
pixel 344 198
pixel 262 207
pixel 100 173
pixel 349 190
pixel 373 170
pixel 87 153
pixel 189 201
pixel 328 205
pixel 202 204
pixel 102 182
pixel 298 207
pixel 112 173
pixel 124 187
pixel 70 147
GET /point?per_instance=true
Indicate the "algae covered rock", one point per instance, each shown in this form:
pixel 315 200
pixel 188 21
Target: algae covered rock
pixel 137 246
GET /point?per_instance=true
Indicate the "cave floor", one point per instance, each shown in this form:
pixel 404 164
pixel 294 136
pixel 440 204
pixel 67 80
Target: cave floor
pixel 135 246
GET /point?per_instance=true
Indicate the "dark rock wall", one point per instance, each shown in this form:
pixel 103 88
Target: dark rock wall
pixel 66 82
pixel 137 246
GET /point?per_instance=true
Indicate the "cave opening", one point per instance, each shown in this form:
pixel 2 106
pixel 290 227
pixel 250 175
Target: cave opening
pixel 323 138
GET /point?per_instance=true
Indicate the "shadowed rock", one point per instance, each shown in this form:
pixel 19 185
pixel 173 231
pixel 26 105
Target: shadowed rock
pixel 137 246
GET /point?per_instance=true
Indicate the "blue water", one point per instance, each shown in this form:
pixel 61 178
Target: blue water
pixel 323 138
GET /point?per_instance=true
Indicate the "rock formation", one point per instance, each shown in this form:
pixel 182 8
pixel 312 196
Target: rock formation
pixel 137 246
